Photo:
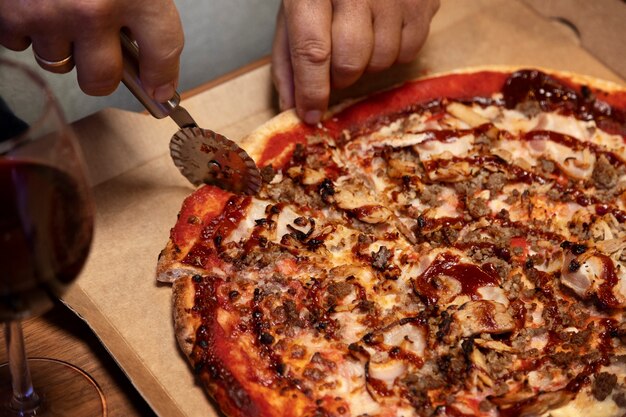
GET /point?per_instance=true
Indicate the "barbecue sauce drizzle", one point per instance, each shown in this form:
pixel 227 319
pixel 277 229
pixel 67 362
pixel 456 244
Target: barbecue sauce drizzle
pixel 555 95
pixel 470 276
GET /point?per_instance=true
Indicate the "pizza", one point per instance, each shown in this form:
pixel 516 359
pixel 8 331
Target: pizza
pixel 454 246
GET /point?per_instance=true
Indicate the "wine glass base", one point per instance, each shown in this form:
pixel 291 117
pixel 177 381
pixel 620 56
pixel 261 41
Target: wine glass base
pixel 64 390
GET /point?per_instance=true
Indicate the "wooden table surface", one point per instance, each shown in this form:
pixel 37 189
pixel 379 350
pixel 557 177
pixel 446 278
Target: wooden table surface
pixel 60 334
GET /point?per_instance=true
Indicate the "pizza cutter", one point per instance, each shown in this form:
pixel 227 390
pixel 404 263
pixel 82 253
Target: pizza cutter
pixel 201 155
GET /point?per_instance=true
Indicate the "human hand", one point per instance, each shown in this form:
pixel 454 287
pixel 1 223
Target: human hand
pixel 333 42
pixel 89 32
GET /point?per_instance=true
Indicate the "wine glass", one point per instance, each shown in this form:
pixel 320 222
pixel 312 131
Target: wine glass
pixel 46 225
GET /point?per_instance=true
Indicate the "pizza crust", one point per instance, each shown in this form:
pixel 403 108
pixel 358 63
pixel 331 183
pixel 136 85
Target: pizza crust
pixel 256 142
pixel 169 268
pixel 185 322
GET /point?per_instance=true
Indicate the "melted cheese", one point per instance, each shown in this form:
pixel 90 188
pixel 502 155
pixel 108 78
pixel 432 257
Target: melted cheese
pixel 352 388
pixel 351 329
pixel 256 210
pixel 584 405
pixel 435 149
pixel 408 336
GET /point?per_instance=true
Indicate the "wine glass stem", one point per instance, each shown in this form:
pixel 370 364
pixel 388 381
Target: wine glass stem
pixel 25 399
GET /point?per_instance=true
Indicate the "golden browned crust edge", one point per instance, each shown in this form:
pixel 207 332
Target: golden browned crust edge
pixel 165 270
pixel 256 141
pixel 185 323
pixel 169 268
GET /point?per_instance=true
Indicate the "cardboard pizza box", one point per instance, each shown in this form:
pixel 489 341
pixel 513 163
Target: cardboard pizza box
pixel 139 191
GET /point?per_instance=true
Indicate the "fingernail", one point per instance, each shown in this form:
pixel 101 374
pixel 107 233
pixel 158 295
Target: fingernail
pixel 164 92
pixel 312 117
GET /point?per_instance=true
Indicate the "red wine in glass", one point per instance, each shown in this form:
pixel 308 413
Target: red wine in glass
pixel 45 234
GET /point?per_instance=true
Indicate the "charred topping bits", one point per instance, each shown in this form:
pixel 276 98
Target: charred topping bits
pixel 574 265
pixel 326 189
pixel 266 338
pixel 299 154
pixel 578 249
pixel 575 248
pixel 380 259
pixel 267 173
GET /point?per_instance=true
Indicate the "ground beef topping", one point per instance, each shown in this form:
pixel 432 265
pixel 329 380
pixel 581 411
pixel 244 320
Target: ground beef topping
pixel 603 385
pixel 604 174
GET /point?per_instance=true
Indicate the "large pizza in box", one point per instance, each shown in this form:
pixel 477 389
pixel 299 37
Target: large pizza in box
pixel 452 247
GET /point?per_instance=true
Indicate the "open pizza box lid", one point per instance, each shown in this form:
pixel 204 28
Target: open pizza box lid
pixel 139 190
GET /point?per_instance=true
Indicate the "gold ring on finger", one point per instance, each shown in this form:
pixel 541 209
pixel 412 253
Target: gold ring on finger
pixel 62 66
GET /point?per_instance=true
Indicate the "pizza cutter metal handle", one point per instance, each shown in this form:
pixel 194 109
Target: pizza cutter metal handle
pixel 130 78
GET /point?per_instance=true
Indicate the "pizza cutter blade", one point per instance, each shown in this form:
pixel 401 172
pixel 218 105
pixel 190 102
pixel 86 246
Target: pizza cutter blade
pixel 204 156
pixel 201 155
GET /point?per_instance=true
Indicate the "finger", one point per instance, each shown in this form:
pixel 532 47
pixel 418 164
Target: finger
pixel 160 38
pixel 14 43
pixel 282 74
pixel 352 41
pixel 415 29
pixel 388 24
pixel 52 53
pixel 12 31
pixel 98 60
pixel 309 32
